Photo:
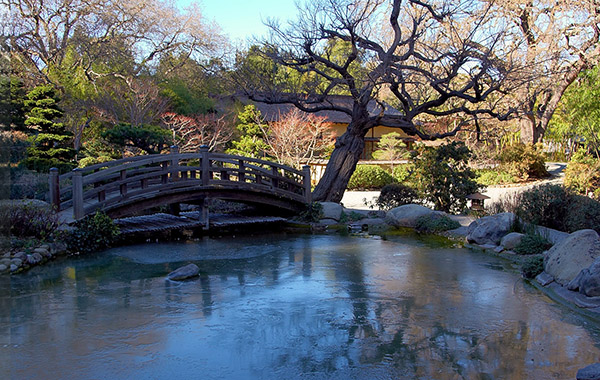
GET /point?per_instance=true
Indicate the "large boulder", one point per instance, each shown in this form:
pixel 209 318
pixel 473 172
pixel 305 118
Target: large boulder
pixel 591 372
pixel 183 273
pixel 588 280
pixel 407 215
pixel 511 240
pixel 332 210
pixel 565 260
pixel 490 229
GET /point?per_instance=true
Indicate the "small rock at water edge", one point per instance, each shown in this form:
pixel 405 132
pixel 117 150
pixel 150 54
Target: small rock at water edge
pixel 591 372
pixel 3 268
pixel 185 272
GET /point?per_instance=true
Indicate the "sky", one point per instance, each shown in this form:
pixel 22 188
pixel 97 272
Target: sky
pixel 241 19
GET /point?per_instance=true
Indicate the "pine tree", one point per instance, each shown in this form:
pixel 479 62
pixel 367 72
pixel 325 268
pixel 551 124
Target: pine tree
pixel 50 141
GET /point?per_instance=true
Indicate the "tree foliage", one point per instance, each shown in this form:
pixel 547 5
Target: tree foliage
pixel 150 139
pixel 50 141
pixel 251 127
pixel 578 116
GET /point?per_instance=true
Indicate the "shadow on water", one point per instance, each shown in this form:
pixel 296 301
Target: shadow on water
pixel 295 307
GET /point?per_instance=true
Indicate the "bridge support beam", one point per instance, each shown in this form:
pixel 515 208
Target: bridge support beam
pixel 204 214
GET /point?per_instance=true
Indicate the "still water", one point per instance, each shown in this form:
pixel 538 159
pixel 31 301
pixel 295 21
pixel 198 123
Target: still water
pixel 288 307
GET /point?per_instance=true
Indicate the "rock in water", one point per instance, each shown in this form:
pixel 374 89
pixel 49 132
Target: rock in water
pixel 511 240
pixel 490 229
pixel 565 260
pixel 185 272
pixel 407 215
pixel 591 372
pixel 332 210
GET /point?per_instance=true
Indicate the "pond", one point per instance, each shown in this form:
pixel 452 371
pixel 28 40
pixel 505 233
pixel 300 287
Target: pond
pixel 288 307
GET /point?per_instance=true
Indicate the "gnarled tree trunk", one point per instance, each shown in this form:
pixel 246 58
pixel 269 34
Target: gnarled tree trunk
pixel 341 165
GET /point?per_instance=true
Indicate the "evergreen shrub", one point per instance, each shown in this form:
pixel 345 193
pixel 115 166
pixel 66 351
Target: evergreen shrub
pixel 369 177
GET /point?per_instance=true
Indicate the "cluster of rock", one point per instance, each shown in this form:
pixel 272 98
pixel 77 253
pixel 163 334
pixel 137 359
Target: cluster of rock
pixel 12 262
pixel 573 261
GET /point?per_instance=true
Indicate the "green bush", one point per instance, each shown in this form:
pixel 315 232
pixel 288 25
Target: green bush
pixel 583 213
pixel 313 213
pixel 523 161
pixel 532 244
pixel 89 161
pixel 27 219
pixel 556 207
pixel 582 174
pixel 545 205
pixel 401 173
pixel 435 223
pixel 395 195
pixel 369 177
pixel 532 266
pixel 92 233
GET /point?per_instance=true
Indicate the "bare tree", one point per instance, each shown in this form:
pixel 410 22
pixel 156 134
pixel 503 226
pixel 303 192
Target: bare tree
pixel 137 103
pixel 560 39
pixel 192 132
pixel 434 58
pixel 297 137
pixel 40 32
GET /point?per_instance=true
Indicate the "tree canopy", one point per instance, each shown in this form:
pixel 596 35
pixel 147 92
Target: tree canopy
pixel 433 59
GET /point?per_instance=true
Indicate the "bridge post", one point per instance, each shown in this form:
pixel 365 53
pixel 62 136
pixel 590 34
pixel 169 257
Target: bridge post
pixel 77 194
pixel 174 149
pixel 307 184
pixel 205 165
pixel 54 189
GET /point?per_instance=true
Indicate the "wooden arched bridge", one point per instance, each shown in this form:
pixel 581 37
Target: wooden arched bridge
pixel 123 187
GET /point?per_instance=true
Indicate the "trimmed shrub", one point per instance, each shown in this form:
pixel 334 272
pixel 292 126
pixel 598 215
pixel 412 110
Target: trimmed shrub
pixel 435 223
pixel 532 266
pixel 523 161
pixel 395 195
pixel 369 177
pixel 546 205
pixel 532 244
pixel 92 233
pixel 490 177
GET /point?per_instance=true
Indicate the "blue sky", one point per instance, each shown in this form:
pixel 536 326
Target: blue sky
pixel 241 19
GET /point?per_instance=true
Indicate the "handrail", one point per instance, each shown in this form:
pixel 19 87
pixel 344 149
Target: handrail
pixel 108 183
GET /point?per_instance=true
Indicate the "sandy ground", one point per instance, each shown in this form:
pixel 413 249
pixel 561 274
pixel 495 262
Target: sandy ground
pixel 355 199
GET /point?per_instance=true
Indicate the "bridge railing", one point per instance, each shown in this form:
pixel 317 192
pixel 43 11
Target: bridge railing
pixel 106 184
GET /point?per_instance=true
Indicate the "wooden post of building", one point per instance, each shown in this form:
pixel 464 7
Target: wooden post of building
pixel 77 194
pixel 174 149
pixel 205 165
pixel 307 184
pixel 54 189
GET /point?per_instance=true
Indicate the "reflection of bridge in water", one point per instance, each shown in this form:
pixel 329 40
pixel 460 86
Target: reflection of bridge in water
pixel 129 185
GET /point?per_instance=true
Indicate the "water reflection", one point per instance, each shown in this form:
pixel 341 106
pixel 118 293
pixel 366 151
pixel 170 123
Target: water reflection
pixel 308 307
